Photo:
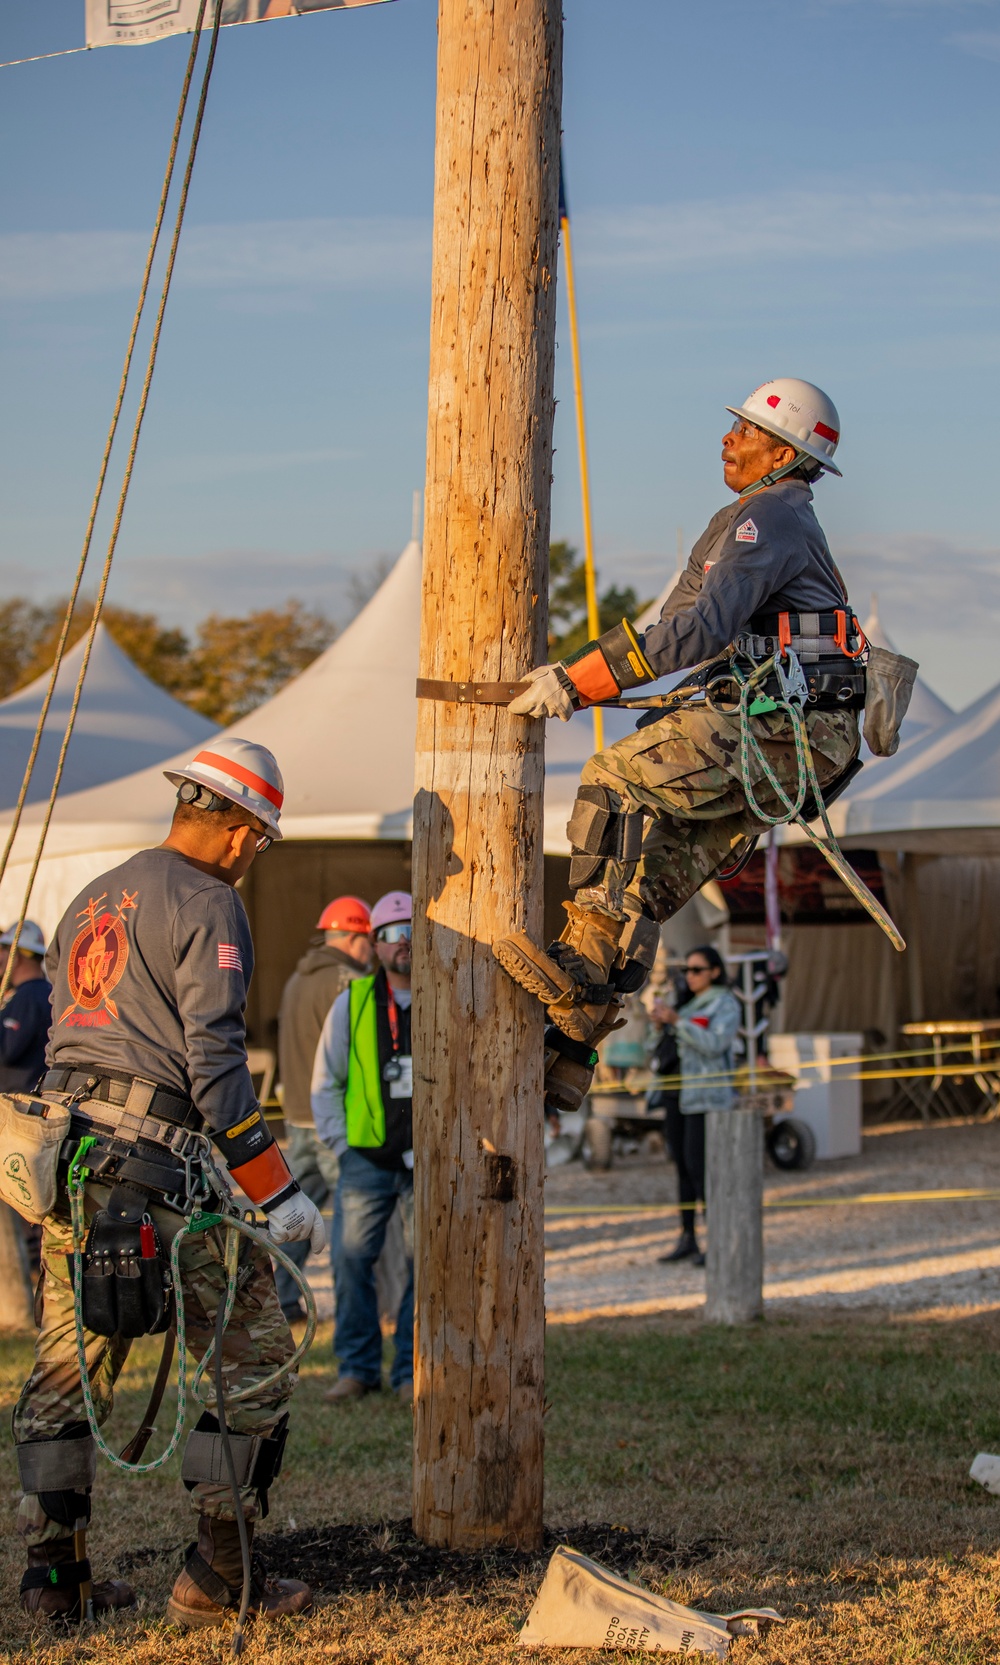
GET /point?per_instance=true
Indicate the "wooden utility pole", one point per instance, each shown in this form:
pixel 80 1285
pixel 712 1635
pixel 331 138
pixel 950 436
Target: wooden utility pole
pixel 477 834
pixel 16 1300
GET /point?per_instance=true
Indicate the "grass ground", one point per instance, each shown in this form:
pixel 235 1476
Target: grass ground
pixel 815 1465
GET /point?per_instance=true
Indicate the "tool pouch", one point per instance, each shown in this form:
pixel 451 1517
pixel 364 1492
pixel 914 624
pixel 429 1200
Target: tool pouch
pixel 32 1132
pixel 890 680
pixel 127 1288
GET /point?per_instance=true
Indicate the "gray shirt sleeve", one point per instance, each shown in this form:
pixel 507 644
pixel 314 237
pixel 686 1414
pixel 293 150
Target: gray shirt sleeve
pixel 213 957
pixel 761 553
pixel 329 1077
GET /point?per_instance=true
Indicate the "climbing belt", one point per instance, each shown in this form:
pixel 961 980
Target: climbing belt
pixel 199 1220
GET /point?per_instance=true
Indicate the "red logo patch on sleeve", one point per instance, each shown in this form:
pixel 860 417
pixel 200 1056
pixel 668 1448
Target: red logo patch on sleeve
pixel 747 533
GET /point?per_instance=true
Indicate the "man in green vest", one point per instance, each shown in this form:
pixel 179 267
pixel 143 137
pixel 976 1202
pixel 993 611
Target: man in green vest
pixel 362 1101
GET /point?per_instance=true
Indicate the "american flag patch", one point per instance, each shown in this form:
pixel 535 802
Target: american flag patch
pixel 229 957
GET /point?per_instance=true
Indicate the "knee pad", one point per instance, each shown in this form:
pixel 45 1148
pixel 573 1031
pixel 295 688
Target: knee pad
pixel 600 830
pixel 61 1472
pixel 636 953
pixel 256 1457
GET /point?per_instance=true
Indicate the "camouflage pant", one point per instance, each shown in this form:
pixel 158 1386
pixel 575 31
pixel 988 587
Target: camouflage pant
pixel 684 769
pixel 257 1340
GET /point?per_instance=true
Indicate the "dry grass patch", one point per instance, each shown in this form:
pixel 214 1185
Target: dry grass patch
pixel 815 1465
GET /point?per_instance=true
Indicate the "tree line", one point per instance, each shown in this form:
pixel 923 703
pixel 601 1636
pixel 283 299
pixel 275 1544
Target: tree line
pixel 232 664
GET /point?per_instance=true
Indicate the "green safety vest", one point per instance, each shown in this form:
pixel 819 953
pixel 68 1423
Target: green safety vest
pixel 363 1098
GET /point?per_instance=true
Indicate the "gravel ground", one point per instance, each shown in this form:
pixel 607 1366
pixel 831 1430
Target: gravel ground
pixel 604 1232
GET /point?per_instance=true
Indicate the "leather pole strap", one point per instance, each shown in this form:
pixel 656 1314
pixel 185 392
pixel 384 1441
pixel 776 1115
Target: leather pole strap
pixel 469 693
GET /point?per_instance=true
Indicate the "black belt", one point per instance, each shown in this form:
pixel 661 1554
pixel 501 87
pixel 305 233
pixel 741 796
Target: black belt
pixel 113 1087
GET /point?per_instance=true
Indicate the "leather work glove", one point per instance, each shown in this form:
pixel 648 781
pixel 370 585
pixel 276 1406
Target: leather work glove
pixel 296 1219
pixel 548 696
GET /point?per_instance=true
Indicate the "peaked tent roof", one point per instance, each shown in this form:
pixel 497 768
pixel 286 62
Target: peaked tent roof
pixel 125 722
pixel 926 711
pixel 940 794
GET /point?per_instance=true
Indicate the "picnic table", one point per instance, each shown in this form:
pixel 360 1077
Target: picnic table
pixel 974 1059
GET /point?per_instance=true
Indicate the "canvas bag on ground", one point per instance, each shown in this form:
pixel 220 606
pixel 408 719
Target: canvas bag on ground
pixel 889 680
pixel 583 1605
pixel 32 1133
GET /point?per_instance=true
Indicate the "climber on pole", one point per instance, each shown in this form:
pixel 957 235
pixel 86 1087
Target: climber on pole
pixel 661 812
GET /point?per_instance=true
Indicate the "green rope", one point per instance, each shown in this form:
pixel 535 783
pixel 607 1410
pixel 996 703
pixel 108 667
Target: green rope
pixel 234 1224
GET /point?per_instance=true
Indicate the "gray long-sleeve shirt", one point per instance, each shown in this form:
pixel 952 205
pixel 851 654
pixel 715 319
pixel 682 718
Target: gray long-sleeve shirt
pixel 150 968
pixel 329 1078
pixel 764 553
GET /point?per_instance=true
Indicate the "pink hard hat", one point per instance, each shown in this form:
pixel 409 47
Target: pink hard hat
pixel 392 908
pixel 345 913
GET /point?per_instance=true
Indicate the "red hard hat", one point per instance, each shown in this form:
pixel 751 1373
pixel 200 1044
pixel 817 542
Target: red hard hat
pixel 345 913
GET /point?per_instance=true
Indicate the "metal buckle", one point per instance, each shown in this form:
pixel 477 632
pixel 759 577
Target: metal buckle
pixel 791 679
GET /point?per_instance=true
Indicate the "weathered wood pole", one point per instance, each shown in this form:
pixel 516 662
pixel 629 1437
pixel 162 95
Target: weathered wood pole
pixel 16 1301
pixel 477 845
pixel 734 1195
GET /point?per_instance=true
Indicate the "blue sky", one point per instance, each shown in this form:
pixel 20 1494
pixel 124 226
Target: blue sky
pixel 804 187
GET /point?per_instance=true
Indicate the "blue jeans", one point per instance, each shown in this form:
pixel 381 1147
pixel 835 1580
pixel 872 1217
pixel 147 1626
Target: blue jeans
pixel 316 1169
pixel 363 1206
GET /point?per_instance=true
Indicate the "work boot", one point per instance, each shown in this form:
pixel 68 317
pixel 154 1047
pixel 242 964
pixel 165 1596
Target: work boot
pixel 570 1065
pixel 348 1388
pixel 209 1588
pixel 51 1585
pixel 686 1248
pixel 570 970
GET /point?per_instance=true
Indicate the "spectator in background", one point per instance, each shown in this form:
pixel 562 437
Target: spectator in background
pixel 362 1098
pixel 323 973
pixel 26 1013
pixel 704 1028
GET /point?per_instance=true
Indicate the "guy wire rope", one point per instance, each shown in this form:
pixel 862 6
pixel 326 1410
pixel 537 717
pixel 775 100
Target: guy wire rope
pixel 126 480
pixel 109 442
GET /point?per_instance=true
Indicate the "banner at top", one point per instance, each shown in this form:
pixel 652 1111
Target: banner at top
pixel 132 22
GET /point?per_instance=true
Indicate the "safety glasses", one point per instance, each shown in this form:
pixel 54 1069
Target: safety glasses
pixel 264 842
pixel 402 932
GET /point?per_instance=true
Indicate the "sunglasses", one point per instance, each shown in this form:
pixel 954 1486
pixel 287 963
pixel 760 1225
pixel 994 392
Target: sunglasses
pixel 691 969
pixel 264 842
pixel 402 932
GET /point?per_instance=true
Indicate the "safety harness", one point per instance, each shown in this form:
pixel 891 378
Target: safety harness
pixel 139 1138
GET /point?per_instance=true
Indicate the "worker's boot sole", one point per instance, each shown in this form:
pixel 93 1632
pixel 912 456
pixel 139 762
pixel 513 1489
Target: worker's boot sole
pixel 211 1616
pixel 533 969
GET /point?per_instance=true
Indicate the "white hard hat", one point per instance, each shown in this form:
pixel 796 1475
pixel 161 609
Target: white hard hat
pixel 30 939
pixel 243 772
pixel 797 412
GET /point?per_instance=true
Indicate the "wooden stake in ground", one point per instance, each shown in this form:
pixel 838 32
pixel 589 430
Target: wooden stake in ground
pixel 734 1197
pixel 477 850
pixel 16 1302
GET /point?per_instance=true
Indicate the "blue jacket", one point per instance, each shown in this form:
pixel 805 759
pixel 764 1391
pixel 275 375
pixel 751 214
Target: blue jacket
pixel 25 1018
pixel 706 1028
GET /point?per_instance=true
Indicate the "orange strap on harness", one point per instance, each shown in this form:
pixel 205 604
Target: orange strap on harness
pixel 840 636
pixel 784 634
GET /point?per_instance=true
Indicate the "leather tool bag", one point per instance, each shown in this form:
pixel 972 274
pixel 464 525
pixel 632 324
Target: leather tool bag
pixel 890 684
pixel 32 1134
pixel 127 1288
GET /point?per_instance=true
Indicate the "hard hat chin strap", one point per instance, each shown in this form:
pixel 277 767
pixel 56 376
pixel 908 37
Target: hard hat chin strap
pixel 777 474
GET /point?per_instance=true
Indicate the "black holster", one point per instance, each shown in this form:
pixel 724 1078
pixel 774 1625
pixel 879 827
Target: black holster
pixel 127 1287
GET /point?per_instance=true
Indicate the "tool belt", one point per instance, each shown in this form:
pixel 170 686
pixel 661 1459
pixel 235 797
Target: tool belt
pixel 115 1087
pixel 828 646
pixel 144 1134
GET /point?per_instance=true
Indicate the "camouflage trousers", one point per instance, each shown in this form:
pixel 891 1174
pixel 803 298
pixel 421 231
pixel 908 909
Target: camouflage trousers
pixel 257 1341
pixel 684 769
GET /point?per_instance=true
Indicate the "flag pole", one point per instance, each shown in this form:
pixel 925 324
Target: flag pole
pixel 593 617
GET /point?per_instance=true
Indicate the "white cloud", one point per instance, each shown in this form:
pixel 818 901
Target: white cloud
pixel 981 43
pixel 394 253
pixel 375 253
pixel 789 225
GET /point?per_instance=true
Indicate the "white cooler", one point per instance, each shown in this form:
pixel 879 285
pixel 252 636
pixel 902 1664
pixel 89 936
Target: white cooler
pixel 827 1095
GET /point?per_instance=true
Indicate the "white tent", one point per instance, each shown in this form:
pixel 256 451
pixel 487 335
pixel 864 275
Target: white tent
pixel 125 722
pixel 926 711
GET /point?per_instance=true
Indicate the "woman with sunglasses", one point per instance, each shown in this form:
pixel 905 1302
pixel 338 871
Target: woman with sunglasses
pixel 705 1028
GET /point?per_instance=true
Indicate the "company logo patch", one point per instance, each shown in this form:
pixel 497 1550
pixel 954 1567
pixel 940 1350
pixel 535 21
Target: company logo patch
pixel 709 565
pixel 97 961
pixel 747 533
pixel 774 400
